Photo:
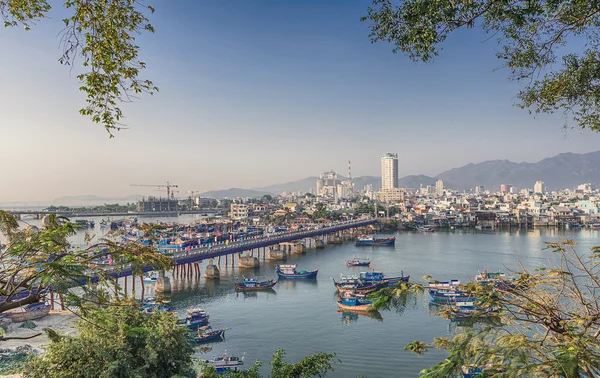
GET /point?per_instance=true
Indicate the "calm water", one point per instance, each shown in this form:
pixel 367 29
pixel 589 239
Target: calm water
pixel 301 316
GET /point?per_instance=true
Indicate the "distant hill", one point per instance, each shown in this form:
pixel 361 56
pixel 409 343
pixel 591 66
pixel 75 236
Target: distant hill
pixel 234 193
pixel 415 181
pixel 294 186
pixel 562 171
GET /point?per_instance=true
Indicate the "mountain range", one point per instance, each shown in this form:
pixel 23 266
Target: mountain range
pixel 565 170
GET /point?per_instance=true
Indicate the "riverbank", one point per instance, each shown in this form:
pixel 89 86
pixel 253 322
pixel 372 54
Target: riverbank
pixel 61 321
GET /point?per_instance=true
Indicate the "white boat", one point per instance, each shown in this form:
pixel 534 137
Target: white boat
pixel 150 277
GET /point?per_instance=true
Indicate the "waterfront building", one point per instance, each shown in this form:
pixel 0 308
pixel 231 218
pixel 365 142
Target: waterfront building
pixel 391 195
pixel 157 204
pixel 389 171
pixel 439 188
pixel 539 187
pixel 239 211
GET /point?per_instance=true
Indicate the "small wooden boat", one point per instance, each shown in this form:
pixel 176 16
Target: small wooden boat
pixel 207 334
pixel 374 276
pixel 196 317
pixel 251 284
pixel 289 271
pixel 30 312
pixel 357 262
pixel 350 302
pixel 372 241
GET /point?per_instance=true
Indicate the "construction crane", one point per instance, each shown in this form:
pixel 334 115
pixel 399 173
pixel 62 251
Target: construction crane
pixel 168 186
pixel 191 193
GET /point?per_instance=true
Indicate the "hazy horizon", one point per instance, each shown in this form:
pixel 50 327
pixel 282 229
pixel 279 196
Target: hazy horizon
pixel 260 93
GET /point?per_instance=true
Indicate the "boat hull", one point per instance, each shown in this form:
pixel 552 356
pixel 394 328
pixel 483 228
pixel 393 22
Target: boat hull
pixel 260 286
pixel 359 308
pixel 361 263
pixel 375 242
pixel 311 274
pixel 212 336
pixel 18 317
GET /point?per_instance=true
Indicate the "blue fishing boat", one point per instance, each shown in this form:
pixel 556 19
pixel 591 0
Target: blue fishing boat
pixel 289 271
pixel 150 277
pixel 374 276
pixel 357 262
pixel 196 317
pixel 251 284
pixel 372 241
pixel 225 364
pixel 207 334
pixel 462 310
pixel 350 302
pixel 354 284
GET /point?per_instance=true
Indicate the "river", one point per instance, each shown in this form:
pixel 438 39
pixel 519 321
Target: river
pixel 301 316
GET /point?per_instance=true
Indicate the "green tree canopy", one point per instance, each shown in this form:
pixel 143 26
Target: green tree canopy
pixel 118 342
pixel 36 259
pixel 532 37
pixel 102 33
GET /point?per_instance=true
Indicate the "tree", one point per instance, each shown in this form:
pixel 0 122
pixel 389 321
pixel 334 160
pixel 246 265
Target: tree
pixel 532 36
pixel 317 365
pixel 320 211
pixel 550 323
pixel 120 341
pixel 37 260
pixel 101 33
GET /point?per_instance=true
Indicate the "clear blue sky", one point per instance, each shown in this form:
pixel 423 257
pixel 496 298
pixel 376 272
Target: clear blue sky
pixel 260 92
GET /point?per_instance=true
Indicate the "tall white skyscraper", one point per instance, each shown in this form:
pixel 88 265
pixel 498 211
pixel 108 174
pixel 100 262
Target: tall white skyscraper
pixel 539 187
pixel 389 171
pixel 439 187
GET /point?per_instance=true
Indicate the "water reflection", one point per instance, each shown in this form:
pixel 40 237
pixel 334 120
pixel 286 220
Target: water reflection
pixel 254 294
pixel 295 284
pixel 351 317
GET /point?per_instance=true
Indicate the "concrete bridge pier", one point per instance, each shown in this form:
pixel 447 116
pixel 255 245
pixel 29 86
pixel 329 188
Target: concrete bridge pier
pixel 163 283
pixel 211 271
pixel 249 261
pixel 319 244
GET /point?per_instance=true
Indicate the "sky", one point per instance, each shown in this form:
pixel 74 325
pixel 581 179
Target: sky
pixel 254 93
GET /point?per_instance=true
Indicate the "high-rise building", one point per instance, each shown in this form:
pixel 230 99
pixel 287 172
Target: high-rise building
pixel 539 187
pixel 479 189
pixel 439 187
pixel 505 188
pixel 389 171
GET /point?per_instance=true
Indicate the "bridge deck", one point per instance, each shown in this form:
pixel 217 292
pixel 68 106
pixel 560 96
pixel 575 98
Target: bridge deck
pixel 201 253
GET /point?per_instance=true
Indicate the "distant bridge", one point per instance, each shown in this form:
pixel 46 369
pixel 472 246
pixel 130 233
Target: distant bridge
pixel 115 214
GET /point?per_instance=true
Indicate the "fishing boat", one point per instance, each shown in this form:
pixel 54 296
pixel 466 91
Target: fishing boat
pixel 461 310
pixel 289 271
pixel 251 284
pixel 196 317
pixel 450 297
pixel 207 334
pixel 30 312
pixel 353 284
pixel 150 277
pixel 379 277
pixel 425 229
pixel 225 363
pixel 451 285
pixel 357 262
pixel 372 241
pixel 350 302
pixel 487 277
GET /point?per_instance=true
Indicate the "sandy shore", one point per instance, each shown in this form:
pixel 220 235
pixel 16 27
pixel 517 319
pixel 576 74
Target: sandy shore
pixel 60 321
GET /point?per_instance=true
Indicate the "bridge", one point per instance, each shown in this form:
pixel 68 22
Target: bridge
pixel 198 254
pixel 83 214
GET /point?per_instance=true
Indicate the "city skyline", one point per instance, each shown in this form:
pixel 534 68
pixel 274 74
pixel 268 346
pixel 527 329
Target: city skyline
pixel 242 106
